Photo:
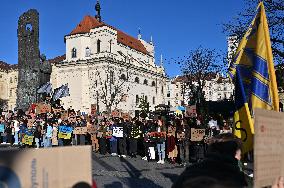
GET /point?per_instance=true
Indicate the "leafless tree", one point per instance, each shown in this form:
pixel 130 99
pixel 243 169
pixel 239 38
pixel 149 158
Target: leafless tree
pixel 111 87
pixel 275 15
pixel 200 65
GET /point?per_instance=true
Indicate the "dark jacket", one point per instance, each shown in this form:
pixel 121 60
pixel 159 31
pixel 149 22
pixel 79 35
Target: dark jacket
pixel 222 169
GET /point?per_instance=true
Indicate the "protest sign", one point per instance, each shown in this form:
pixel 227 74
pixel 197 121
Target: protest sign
pixel 117 132
pixel 64 132
pixel 42 108
pixel 115 113
pixel 93 109
pixel 28 140
pixel 53 167
pixel 54 139
pixel 80 130
pixel 2 128
pixel 197 134
pixel 268 147
pixel 190 111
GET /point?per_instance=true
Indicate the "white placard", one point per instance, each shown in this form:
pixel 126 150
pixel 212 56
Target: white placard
pixel 117 132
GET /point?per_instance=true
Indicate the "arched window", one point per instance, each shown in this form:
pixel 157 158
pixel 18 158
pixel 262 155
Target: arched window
pixel 123 77
pixel 137 80
pixel 145 82
pixel 98 46
pixel 88 52
pixel 112 77
pixel 137 99
pixel 74 53
pixel 146 98
pixel 162 90
pixel 154 101
pixel 153 83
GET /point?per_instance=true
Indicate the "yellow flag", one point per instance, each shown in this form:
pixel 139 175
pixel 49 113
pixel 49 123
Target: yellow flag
pixel 253 61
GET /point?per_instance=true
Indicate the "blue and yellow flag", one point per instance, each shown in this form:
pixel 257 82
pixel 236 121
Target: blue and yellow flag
pixel 242 117
pixel 253 64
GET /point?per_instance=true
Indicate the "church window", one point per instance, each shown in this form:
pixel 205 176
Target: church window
pixel 154 100
pixel 137 80
pixel 74 53
pixel 168 94
pixel 145 82
pixel 123 77
pixel 111 77
pixel 162 90
pixel 88 52
pixel 11 80
pixel 153 83
pixel 98 46
pixel 169 103
pixel 146 98
pixel 137 99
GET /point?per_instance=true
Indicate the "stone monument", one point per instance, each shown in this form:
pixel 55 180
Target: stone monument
pixel 33 70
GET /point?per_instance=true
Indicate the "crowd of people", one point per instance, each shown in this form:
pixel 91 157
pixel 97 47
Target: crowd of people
pixel 157 139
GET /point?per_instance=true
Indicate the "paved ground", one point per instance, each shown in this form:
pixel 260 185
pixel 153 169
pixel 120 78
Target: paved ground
pixel 118 172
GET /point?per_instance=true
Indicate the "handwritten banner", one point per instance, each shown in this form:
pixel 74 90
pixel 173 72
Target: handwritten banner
pixel 28 140
pixel 268 147
pixel 80 130
pixel 93 109
pixel 197 134
pixel 43 108
pixel 64 132
pixel 117 132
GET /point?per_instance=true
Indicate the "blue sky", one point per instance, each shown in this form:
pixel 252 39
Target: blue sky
pixel 176 26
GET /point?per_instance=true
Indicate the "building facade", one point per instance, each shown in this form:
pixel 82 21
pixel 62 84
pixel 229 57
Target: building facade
pixel 216 88
pixel 109 69
pixel 8 85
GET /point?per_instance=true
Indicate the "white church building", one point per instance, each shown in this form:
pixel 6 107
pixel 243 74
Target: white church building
pixel 108 68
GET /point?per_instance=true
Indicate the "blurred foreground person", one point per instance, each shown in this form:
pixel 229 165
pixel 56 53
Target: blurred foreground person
pixel 218 169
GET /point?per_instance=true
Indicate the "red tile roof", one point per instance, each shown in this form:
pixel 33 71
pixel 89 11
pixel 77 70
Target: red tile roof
pixel 5 66
pixel 57 59
pixel 90 22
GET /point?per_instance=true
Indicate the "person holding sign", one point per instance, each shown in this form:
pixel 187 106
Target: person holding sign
pixel 122 140
pixel 113 139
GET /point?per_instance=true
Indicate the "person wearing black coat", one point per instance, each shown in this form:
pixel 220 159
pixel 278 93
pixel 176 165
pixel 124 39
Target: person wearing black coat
pixel 219 168
pixel 122 140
